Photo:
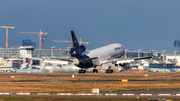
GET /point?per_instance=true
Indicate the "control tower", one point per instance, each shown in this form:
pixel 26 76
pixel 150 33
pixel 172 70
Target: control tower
pixel 177 46
pixel 26 51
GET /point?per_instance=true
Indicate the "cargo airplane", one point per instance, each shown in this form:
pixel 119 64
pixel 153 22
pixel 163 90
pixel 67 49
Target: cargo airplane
pixel 97 57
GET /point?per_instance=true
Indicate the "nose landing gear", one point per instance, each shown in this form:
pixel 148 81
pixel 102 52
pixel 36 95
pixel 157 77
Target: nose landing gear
pixel 109 70
pixel 95 71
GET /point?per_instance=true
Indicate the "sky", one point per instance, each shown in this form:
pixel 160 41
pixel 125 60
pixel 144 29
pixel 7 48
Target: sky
pixel 136 24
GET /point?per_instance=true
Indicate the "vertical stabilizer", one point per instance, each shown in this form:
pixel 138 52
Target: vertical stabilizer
pixel 74 39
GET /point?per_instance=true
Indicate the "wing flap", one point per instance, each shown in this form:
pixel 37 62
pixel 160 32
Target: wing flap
pixel 124 61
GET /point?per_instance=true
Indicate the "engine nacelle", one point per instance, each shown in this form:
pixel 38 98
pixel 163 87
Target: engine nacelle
pixel 75 52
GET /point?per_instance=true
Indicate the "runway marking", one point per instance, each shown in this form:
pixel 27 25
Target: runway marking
pixel 145 94
pixel 164 94
pixel 43 94
pixel 177 94
pixel 4 93
pixel 128 94
pixel 89 94
pixel 110 94
pixel 23 94
pixel 64 94
pixel 84 94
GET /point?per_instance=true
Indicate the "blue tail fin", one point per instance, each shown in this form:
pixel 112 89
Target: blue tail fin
pixel 77 49
pixel 74 39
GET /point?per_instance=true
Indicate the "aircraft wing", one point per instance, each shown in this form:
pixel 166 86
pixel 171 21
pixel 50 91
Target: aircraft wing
pixel 59 60
pixel 126 60
pixel 52 60
pixel 130 60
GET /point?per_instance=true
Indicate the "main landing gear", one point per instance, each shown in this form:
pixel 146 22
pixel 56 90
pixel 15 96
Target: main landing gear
pixel 95 71
pixel 109 70
pixel 82 71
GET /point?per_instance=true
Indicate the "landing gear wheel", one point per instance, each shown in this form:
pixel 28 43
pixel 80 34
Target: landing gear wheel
pixel 95 71
pixel 109 70
pixel 82 71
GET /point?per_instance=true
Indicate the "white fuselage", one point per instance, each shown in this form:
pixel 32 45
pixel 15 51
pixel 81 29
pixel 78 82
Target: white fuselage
pixel 104 53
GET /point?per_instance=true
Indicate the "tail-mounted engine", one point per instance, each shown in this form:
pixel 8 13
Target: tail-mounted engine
pixel 76 52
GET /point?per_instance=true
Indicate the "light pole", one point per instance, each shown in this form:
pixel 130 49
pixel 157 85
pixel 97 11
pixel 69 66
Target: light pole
pixel 163 53
pixel 138 52
pixel 52 50
pixel 126 53
pixel 152 51
pixel 175 57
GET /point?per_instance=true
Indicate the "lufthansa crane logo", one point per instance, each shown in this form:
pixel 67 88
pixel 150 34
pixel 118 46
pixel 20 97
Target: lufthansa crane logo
pixel 118 48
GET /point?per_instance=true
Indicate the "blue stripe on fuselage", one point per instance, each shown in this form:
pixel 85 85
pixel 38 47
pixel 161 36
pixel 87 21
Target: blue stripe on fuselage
pixel 85 64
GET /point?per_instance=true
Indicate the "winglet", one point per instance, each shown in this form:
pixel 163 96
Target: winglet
pixel 74 39
pixel 144 57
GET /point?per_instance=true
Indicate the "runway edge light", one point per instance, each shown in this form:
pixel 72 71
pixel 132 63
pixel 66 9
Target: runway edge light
pixel 50 71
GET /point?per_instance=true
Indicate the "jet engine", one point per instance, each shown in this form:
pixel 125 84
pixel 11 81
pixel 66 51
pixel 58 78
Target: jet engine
pixel 76 52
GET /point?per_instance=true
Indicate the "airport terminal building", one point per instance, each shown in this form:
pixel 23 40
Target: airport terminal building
pixel 27 51
pixel 12 52
pixel 58 53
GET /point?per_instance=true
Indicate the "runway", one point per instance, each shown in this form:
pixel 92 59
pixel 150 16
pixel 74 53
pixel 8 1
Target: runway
pixel 162 93
pixel 165 93
pixel 81 80
pixel 88 96
pixel 82 75
pixel 153 92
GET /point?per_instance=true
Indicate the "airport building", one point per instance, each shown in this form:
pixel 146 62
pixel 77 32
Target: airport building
pixel 14 52
pixel 158 61
pixel 131 54
pixel 47 53
pixel 10 52
pixel 29 51
pixel 28 42
pixel 177 46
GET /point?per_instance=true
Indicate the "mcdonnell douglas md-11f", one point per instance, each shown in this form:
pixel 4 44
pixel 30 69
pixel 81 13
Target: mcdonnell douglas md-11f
pixel 97 57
